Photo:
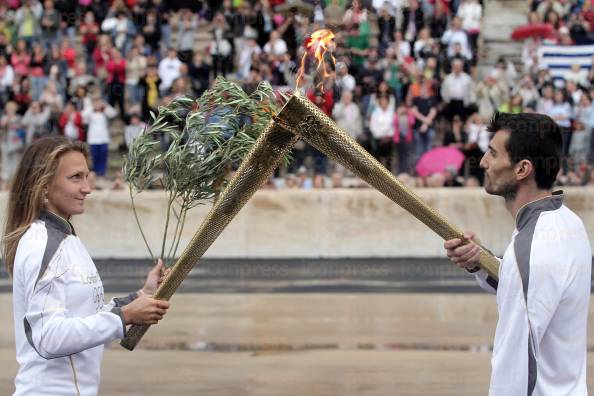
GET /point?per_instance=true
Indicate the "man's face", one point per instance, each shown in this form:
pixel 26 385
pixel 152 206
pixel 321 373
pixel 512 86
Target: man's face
pixel 499 171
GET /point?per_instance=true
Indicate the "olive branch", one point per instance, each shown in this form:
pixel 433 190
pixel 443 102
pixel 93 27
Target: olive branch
pixel 190 148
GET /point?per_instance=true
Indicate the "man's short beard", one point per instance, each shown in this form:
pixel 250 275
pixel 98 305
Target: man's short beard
pixel 508 191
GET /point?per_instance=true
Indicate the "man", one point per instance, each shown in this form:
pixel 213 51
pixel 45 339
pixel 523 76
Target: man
pixel 457 91
pixel 544 276
pixel 169 70
pixel 347 115
pixel 344 81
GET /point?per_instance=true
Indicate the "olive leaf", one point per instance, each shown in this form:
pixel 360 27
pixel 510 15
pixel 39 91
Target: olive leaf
pixel 190 146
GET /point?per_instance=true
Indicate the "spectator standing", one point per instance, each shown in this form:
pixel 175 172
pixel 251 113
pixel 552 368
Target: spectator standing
pixel 151 31
pixel 12 142
pixel 413 20
pixel 21 59
pixel 21 93
pixel 344 81
pixel 26 20
pixel 169 70
pixel 199 72
pixel 562 113
pixel 89 30
pixel 6 79
pixel 50 24
pixel 71 123
pixel 135 68
pixel 471 13
pixel 477 146
pixel 133 129
pixel 38 69
pixel 455 34
pixel 404 125
pixel 545 102
pixel 81 78
pixel 68 55
pixel 116 79
pixel 457 91
pixel 150 84
pixel 35 122
pixel 490 94
pixel 438 21
pixel 381 126
pixel 348 116
pixel 246 54
pixel 424 108
pixel 387 26
pixel 98 133
pixel 186 36
pixel 579 148
pixel 220 47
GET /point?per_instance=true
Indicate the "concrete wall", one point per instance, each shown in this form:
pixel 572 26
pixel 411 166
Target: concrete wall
pixel 321 223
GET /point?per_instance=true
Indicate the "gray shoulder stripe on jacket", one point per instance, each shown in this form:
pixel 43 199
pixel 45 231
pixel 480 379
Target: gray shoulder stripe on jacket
pixel 526 220
pixel 54 239
pixel 57 230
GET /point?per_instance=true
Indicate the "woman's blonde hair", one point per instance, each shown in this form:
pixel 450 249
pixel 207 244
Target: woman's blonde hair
pixel 29 186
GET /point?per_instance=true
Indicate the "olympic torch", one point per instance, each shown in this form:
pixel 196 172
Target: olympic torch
pixel 299 118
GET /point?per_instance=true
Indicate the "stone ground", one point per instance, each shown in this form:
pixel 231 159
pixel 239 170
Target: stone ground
pixel 301 344
pixel 317 372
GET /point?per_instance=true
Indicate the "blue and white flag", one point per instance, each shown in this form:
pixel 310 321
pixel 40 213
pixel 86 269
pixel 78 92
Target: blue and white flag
pixel 559 58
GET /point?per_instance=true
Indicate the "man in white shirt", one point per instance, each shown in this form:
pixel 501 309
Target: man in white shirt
pixel 457 91
pixel 276 46
pixel 344 81
pixel 348 116
pixel 455 34
pixel 169 70
pixel 543 289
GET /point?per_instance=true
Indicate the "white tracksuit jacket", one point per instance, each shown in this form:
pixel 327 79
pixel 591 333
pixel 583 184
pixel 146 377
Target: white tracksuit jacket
pixel 542 299
pixel 61 322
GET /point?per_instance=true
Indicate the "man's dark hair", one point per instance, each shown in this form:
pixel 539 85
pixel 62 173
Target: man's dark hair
pixel 533 137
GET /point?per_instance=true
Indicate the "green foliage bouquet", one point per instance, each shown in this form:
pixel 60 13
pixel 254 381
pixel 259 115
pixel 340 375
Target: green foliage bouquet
pixel 190 148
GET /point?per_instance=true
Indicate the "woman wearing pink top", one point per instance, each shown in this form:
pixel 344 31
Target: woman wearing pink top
pixel 20 59
pixel 116 78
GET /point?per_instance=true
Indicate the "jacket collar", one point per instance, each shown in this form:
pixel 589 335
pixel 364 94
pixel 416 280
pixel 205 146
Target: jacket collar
pixel 53 220
pixel 534 208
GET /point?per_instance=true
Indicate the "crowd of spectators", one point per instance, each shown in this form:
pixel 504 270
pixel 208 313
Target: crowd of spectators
pixel 405 79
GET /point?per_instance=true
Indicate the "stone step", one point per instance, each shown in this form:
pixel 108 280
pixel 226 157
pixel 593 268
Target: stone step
pixel 501 18
pixel 508 48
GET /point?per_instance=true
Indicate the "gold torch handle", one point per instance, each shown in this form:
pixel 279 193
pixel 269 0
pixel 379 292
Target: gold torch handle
pixel 268 151
pixel 303 118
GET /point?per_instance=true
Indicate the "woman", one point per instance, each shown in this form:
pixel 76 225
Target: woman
pixel 381 126
pixel 20 59
pixel 61 321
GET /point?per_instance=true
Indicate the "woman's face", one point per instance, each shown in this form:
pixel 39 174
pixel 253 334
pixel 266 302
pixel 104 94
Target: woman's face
pixel 552 17
pixel 67 192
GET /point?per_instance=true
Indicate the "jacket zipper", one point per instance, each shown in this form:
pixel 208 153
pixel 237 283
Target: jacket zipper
pixel 74 375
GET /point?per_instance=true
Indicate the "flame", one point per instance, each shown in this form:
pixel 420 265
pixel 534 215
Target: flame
pixel 317 45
